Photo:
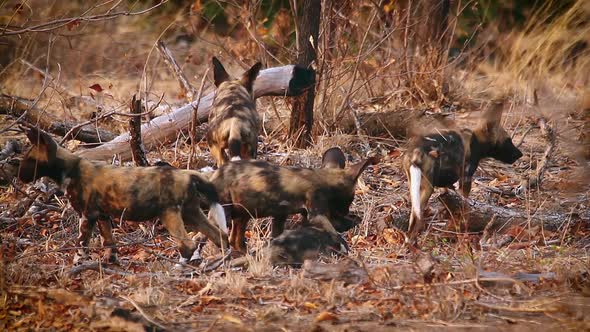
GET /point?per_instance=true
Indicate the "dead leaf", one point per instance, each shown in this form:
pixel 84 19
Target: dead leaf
pixel 310 305
pixel 72 25
pixel 209 299
pixel 96 87
pixel 326 316
pixel 232 319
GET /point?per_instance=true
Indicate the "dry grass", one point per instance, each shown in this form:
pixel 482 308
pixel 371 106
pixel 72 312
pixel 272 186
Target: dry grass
pixel 37 291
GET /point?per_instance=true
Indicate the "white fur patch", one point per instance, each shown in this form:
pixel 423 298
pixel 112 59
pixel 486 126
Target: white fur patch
pixel 236 158
pixel 196 256
pixel 415 178
pixel 206 169
pixel 217 214
pixel 181 262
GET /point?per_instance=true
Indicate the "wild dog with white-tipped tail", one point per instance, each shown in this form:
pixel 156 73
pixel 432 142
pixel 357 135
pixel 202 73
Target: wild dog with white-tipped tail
pixel 98 192
pixel 233 122
pixel 445 156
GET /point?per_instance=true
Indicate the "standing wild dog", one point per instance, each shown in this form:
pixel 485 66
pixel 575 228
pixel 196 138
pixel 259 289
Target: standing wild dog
pixel 446 156
pixel 260 189
pixel 97 192
pixel 233 121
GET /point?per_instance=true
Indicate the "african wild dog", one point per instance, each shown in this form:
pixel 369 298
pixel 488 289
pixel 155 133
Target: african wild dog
pixel 260 189
pixel 233 121
pixel 98 192
pixel 294 246
pixel 443 157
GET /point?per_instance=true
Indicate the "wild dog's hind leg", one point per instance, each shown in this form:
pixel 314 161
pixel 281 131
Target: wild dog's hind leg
pixel 172 220
pixel 108 242
pixel 417 223
pixel 278 226
pixel 85 228
pixel 218 154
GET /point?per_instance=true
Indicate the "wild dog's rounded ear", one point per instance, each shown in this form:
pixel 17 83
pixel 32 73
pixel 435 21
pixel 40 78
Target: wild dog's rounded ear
pixel 356 169
pixel 219 73
pixel 250 76
pixel 40 138
pixel 333 158
pixel 492 116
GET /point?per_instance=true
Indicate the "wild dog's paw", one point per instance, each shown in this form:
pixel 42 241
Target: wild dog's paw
pixel 80 257
pixel 196 258
pixel 113 259
pixel 182 262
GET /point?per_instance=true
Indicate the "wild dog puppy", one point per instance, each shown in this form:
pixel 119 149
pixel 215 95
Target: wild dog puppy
pixel 97 192
pixel 294 246
pixel 233 121
pixel 441 158
pixel 255 189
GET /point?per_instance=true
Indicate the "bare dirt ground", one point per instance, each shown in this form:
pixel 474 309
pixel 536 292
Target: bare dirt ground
pixel 527 277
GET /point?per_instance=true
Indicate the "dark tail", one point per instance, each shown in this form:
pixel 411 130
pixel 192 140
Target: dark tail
pixel 234 144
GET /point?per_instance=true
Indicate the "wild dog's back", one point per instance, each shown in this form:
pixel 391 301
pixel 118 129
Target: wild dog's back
pixel 233 122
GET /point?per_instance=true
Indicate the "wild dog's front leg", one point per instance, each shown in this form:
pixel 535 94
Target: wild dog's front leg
pixel 108 241
pixel 85 228
pixel 465 185
pixel 237 237
pixel 172 220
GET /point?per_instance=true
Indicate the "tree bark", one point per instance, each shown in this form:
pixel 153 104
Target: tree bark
pixel 137 149
pixel 308 27
pixel 288 80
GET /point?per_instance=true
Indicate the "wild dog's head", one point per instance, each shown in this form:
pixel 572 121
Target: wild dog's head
pixel 224 81
pixel 337 190
pixel 333 158
pixel 495 141
pixel 44 158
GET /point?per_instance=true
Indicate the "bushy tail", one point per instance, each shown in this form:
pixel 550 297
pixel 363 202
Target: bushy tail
pixel 207 190
pixel 234 143
pixel 217 214
pixel 415 178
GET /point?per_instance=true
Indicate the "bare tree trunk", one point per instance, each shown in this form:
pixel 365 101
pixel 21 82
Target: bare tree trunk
pixel 308 27
pixel 137 149
pixel 426 35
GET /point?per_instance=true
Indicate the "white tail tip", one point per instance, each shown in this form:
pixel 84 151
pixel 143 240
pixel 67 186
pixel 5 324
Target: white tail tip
pixel 415 179
pixel 217 213
pixel 206 169
pixel 236 158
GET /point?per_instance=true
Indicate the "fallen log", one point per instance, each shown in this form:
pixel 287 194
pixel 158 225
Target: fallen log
pixel 288 80
pixel 22 110
pixel 469 215
pixel 8 164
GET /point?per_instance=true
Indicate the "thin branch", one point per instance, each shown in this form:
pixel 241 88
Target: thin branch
pixel 188 89
pixel 195 119
pixel 59 23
